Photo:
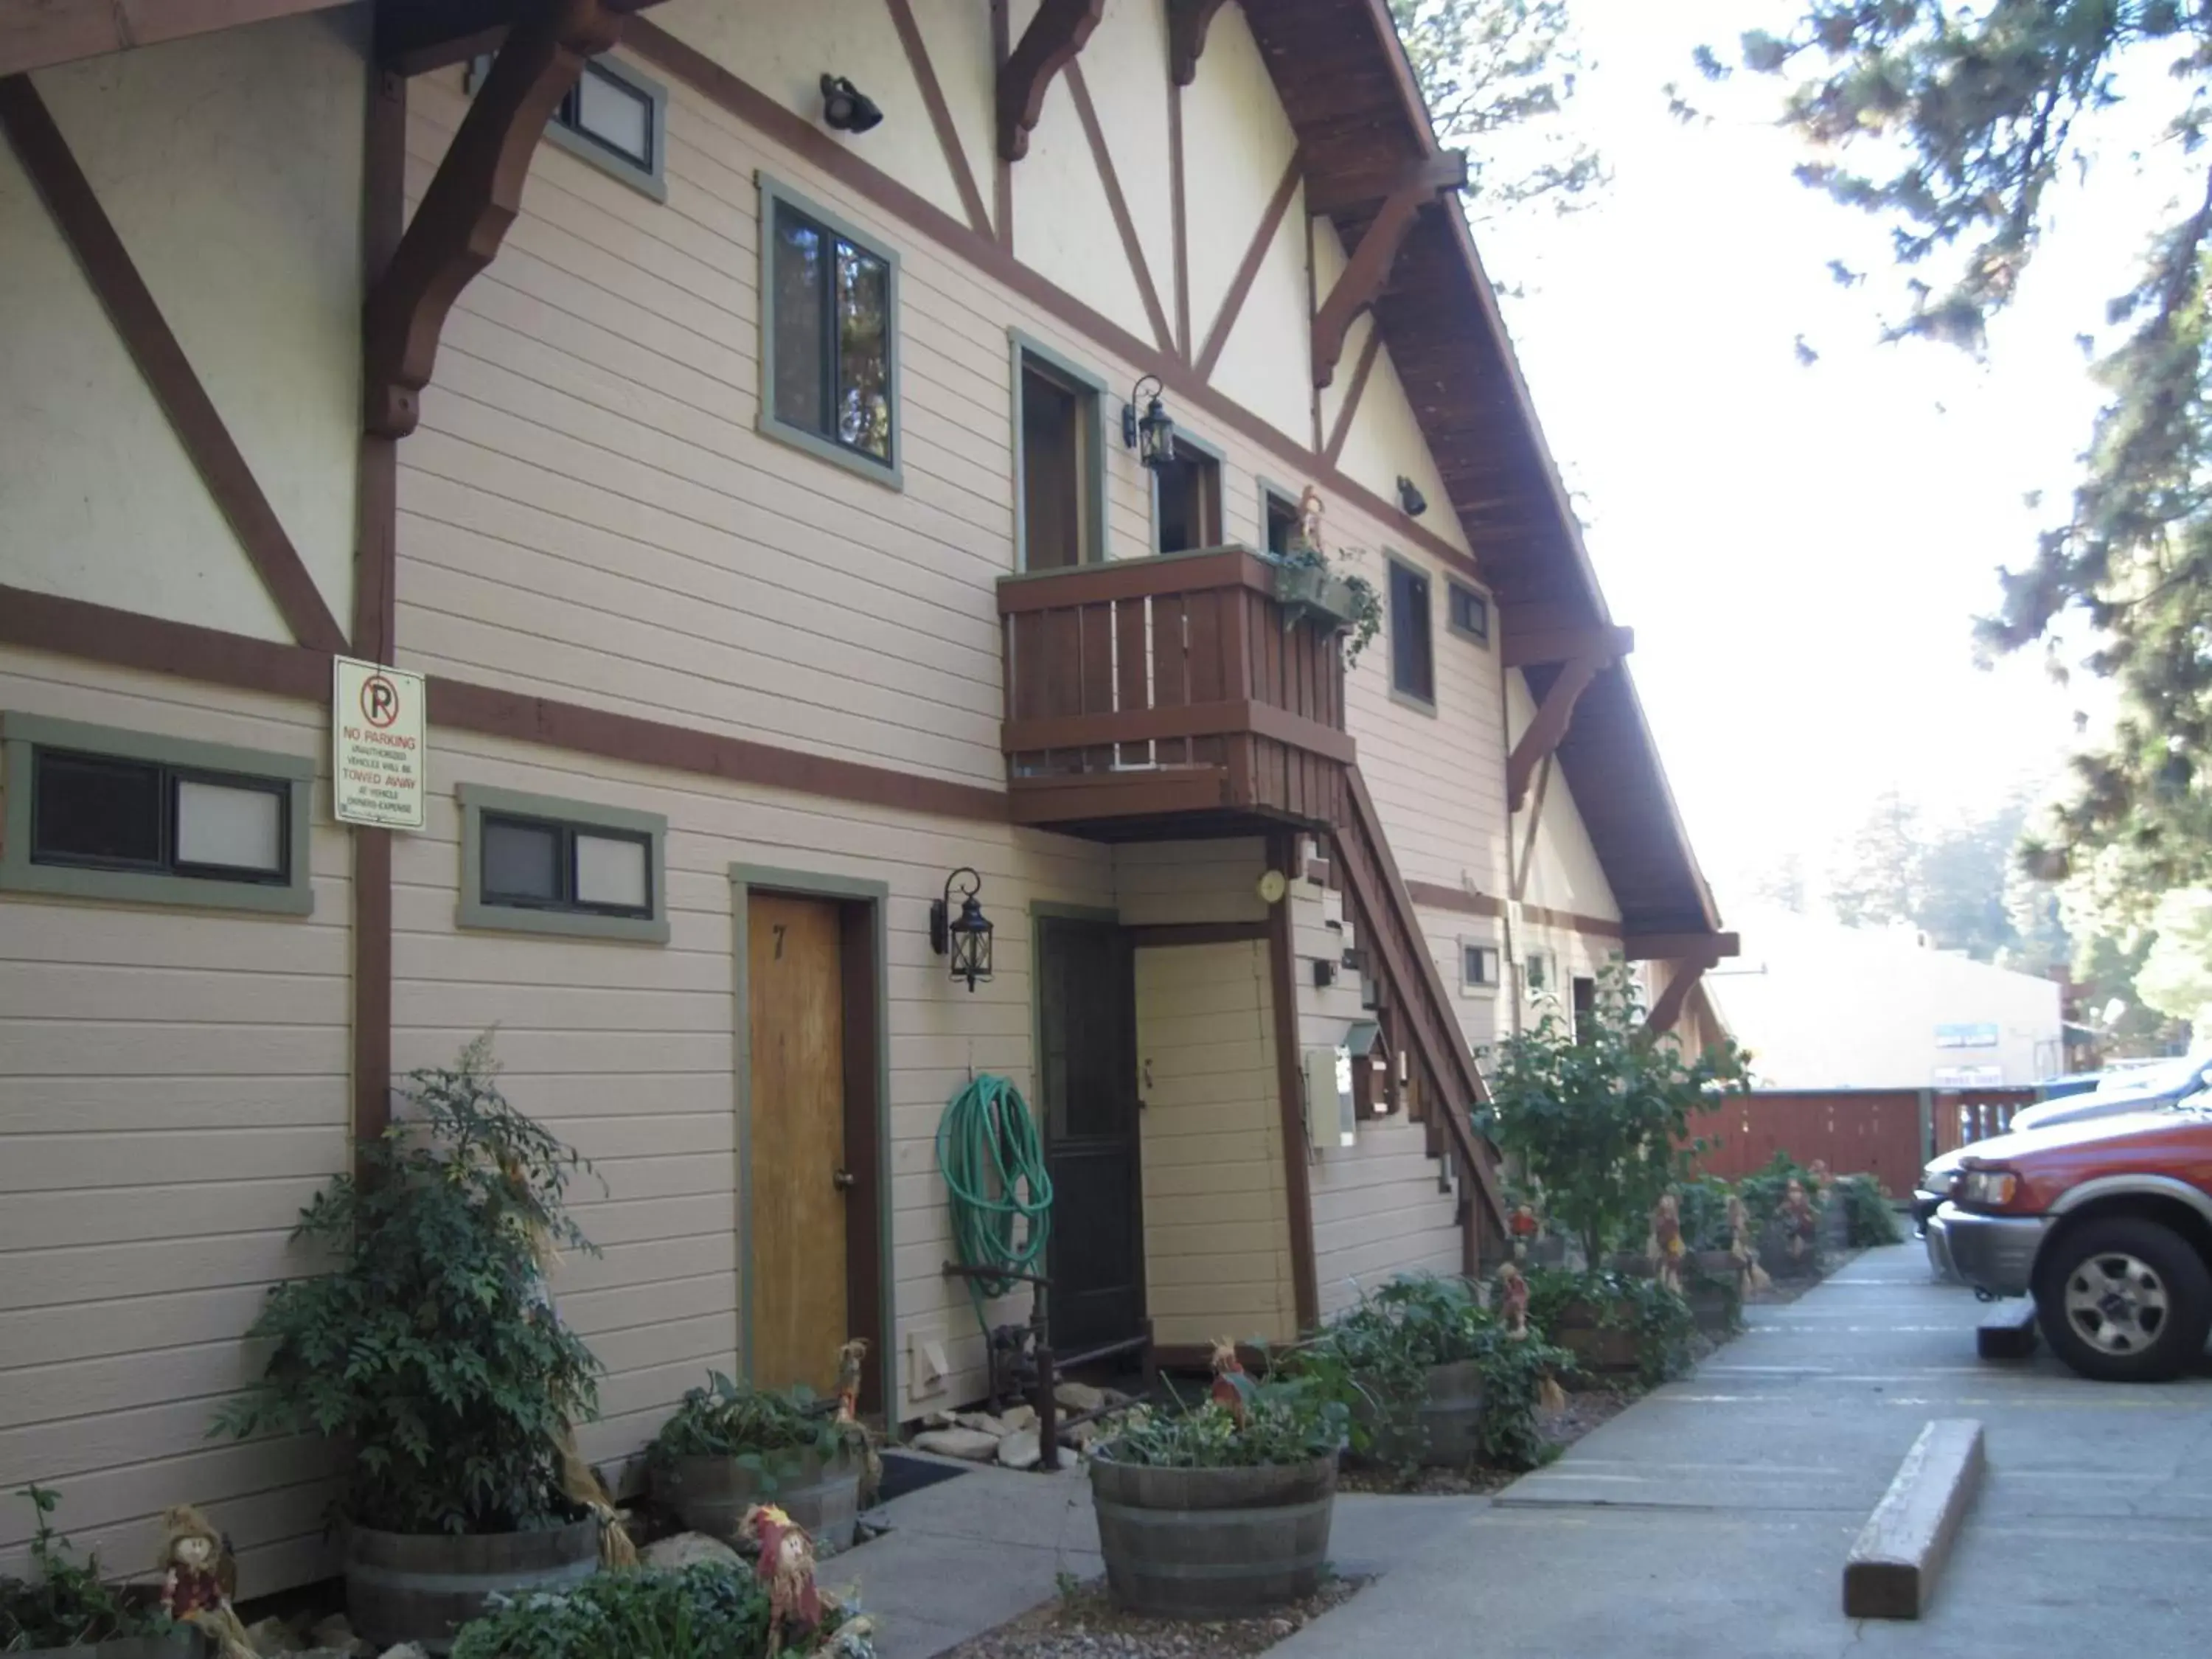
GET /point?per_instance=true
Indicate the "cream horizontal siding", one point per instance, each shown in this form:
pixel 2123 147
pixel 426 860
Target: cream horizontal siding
pixel 1217 1223
pixel 630 1051
pixel 172 1092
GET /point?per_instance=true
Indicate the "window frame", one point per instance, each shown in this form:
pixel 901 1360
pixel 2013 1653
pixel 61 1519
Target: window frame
pixel 1394 562
pixel 1453 588
pixel 650 181
pixel 1550 959
pixel 1184 440
pixel 1271 493
pixel 1023 350
pixel 567 920
pixel 1468 985
pixel 891 471
pixel 195 886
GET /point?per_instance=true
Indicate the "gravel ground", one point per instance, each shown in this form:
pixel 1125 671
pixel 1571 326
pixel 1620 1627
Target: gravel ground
pixel 1082 1624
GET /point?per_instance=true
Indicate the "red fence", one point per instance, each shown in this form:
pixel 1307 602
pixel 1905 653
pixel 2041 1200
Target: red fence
pixel 1888 1134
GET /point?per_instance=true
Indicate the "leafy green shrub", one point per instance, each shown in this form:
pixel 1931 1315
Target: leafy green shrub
pixel 1660 1319
pixel 1287 1420
pixel 433 1348
pixel 1867 1219
pixel 1764 1190
pixel 763 1430
pixel 1600 1112
pixel 1705 1214
pixel 706 1611
pixel 67 1604
pixel 1377 1357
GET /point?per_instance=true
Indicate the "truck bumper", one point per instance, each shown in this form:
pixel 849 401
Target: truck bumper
pixel 1936 1236
pixel 1992 1253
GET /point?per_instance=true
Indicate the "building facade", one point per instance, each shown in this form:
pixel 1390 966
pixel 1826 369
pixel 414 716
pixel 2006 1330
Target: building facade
pixel 757 487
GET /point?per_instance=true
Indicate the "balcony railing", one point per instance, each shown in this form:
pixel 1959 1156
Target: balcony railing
pixel 1142 691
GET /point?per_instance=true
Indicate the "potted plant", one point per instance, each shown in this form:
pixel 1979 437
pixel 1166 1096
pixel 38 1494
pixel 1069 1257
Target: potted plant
pixel 729 1446
pixel 1311 588
pixel 709 1610
pixel 1215 1512
pixel 1432 1378
pixel 433 1349
pixel 67 1608
pixel 1613 1324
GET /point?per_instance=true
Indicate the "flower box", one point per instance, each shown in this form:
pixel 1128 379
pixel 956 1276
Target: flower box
pixel 1310 593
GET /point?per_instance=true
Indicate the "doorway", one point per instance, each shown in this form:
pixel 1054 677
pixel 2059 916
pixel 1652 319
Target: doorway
pixel 1087 1099
pixel 811 1225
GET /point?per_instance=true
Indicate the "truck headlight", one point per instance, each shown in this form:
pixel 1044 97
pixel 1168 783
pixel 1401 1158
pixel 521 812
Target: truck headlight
pixel 1991 1189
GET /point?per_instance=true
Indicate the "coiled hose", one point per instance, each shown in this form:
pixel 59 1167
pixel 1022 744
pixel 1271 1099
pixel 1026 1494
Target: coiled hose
pixel 988 1150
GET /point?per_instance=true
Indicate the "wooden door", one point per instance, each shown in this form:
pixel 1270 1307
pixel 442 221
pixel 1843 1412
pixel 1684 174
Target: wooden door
pixel 1087 1093
pixel 800 1175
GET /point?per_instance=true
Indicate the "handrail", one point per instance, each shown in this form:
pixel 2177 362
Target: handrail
pixel 1197 572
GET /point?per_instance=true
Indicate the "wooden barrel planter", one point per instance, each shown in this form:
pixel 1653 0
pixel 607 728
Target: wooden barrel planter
pixel 712 1494
pixel 418 1587
pixel 1444 1433
pixel 1710 1287
pixel 1599 1350
pixel 1212 1543
pixel 177 1644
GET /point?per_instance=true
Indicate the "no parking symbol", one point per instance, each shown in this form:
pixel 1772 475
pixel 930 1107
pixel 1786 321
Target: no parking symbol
pixel 376 745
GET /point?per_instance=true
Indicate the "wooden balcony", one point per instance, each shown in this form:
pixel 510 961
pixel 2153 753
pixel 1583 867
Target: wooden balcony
pixel 1152 699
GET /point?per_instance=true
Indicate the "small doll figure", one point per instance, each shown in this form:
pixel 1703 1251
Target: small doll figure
pixel 1228 1390
pixel 198 1576
pixel 1666 1241
pixel 1797 1218
pixel 1526 1226
pixel 1309 512
pixel 1513 1301
pixel 849 1360
pixel 785 1565
pixel 1750 1277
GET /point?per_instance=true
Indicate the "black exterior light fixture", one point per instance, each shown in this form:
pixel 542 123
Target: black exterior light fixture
pixel 846 108
pixel 1411 498
pixel 966 938
pixel 1151 435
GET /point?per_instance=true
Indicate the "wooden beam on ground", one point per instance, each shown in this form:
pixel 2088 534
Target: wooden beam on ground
pixel 1364 277
pixel 1554 716
pixel 1891 1569
pixel 471 203
pixel 1663 947
pixel 40 34
pixel 1056 34
pixel 1188 23
pixel 1525 650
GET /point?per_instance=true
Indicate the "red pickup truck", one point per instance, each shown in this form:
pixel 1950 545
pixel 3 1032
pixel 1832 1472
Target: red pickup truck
pixel 2107 1224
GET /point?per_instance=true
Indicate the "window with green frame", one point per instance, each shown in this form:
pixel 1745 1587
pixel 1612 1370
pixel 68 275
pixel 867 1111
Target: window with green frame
pixel 831 306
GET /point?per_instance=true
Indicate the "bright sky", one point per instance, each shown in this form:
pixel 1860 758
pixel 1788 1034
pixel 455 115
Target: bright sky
pixel 1801 550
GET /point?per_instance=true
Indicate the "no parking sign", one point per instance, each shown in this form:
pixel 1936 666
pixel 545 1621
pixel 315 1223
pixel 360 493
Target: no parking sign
pixel 376 745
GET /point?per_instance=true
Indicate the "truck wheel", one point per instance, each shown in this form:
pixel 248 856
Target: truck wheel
pixel 2125 1300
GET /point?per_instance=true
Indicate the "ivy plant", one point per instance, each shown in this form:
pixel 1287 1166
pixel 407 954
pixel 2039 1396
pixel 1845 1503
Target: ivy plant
pixel 709 1610
pixel 65 1603
pixel 1601 1112
pixel 1282 1419
pixel 1660 1318
pixel 433 1347
pixel 762 1429
pixel 1867 1219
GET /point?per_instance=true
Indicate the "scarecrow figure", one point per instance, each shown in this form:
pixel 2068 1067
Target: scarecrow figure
pixel 197 1578
pixel 1513 1301
pixel 1525 1226
pixel 1798 1220
pixel 1666 1243
pixel 849 1360
pixel 1750 1277
pixel 1229 1379
pixel 786 1564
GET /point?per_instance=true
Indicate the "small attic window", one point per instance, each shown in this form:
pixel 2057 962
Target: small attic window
pixel 1469 616
pixel 613 117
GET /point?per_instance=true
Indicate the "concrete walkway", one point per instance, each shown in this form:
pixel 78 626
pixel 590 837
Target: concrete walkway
pixel 968 1554
pixel 1713 1517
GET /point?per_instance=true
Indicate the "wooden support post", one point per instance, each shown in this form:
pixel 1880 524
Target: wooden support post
pixel 1364 277
pixel 1050 43
pixel 1553 717
pixel 1667 1007
pixel 1188 23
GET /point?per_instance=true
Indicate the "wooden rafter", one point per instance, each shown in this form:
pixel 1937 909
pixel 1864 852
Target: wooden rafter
pixel 1664 947
pixel 1554 716
pixel 1529 647
pixel 469 205
pixel 1666 1008
pixel 153 347
pixel 1050 43
pixel 1364 275
pixel 1361 366
pixel 1188 23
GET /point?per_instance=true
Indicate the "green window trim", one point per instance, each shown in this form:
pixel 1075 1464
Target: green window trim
pixel 891 474
pixel 474 911
pixel 21 735
pixel 651 180
pixel 1027 348
pixel 1453 589
pixel 1186 439
pixel 1398 694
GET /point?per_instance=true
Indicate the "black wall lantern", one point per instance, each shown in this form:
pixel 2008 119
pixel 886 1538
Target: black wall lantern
pixel 1411 498
pixel 1151 435
pixel 965 937
pixel 846 108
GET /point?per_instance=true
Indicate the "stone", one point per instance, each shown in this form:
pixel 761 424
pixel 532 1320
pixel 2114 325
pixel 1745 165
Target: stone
pixel 405 1651
pixel 1020 1451
pixel 1018 1417
pixel 687 1549
pixel 938 1420
pixel 1081 1435
pixel 336 1632
pixel 982 1422
pixel 1078 1396
pixel 973 1444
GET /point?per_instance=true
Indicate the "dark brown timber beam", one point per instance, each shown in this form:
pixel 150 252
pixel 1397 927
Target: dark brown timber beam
pixel 1666 1008
pixel 1668 947
pixel 1552 718
pixel 1531 646
pixel 1188 23
pixel 1368 269
pixel 1048 45
pixel 471 203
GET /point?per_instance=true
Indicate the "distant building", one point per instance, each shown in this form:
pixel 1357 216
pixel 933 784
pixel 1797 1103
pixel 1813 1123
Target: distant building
pixel 1821 1005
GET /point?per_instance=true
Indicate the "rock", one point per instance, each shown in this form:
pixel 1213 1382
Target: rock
pixel 971 1443
pixel 1078 1396
pixel 1018 1417
pixel 938 1420
pixel 336 1632
pixel 1081 1435
pixel 405 1651
pixel 1020 1451
pixel 982 1422
pixel 688 1549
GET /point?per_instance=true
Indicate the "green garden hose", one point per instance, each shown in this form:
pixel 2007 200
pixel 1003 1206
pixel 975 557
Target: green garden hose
pixel 988 1151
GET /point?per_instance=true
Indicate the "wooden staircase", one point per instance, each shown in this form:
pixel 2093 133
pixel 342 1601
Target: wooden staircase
pixel 1415 1011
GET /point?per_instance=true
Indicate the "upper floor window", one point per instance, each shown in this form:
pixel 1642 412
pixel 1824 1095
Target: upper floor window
pixel 1412 649
pixel 614 118
pixel 1470 613
pixel 1060 461
pixel 828 329
pixel 98 813
pixel 1187 498
pixel 538 865
pixel 1278 519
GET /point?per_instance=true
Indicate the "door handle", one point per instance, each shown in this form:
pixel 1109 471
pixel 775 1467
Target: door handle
pixel 843 1180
